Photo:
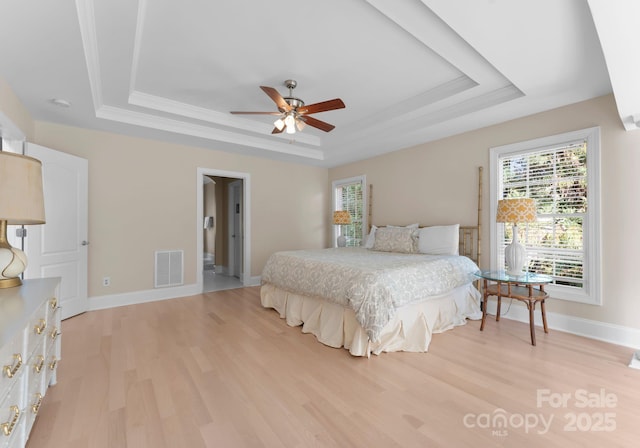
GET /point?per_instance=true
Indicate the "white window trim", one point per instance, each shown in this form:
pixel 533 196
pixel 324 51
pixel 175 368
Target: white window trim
pixel 591 292
pixel 350 180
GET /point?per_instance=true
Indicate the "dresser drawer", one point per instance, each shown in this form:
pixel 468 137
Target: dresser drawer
pixel 37 329
pixel 29 350
pixel 36 389
pixel 12 417
pixel 12 359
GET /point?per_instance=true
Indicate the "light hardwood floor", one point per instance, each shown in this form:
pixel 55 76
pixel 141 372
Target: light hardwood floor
pixel 218 370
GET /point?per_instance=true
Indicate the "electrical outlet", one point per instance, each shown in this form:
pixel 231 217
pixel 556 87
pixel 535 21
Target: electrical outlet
pixel 106 281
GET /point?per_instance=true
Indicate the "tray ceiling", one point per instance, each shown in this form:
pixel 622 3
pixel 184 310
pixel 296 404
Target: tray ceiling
pixel 409 72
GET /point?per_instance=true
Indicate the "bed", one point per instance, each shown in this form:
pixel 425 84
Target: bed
pixel 393 294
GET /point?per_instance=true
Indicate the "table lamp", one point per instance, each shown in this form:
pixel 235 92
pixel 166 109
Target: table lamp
pixel 21 203
pixel 516 211
pixel 341 217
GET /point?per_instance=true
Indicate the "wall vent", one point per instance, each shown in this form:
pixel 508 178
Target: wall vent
pixel 169 268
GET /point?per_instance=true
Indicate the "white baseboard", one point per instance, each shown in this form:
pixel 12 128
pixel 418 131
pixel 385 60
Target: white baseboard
pixel 602 331
pixel 615 334
pixel 253 281
pixel 152 295
pixel 149 295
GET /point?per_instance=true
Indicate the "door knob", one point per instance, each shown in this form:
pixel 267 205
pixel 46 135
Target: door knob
pixel 85 243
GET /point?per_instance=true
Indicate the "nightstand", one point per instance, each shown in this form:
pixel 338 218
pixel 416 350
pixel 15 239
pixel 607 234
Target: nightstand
pixel 528 288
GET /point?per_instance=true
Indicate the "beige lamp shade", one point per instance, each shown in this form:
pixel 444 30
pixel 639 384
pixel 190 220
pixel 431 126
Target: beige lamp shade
pixel 21 197
pixel 341 217
pixel 21 202
pixel 516 210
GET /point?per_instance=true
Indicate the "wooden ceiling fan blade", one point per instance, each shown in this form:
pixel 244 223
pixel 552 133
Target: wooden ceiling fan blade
pixel 277 98
pixel 277 131
pixel 326 127
pixel 322 107
pixel 255 113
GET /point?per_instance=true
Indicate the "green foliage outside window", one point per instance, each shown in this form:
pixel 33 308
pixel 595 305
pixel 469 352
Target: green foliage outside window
pixel 350 198
pixel 557 180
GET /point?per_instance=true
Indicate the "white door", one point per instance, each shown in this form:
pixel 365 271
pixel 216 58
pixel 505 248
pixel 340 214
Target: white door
pixel 59 247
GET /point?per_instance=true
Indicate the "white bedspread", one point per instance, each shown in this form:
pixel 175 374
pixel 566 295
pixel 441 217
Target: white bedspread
pixel 372 283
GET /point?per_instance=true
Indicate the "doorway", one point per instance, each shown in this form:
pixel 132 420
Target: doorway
pixel 223 230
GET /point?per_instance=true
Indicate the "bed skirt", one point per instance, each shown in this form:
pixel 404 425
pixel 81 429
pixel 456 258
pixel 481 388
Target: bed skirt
pixel 410 330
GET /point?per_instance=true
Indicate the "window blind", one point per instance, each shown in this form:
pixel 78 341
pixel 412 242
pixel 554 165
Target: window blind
pixel 349 196
pixel 556 178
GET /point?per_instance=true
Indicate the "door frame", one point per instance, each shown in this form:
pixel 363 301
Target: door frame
pixel 234 238
pixel 246 221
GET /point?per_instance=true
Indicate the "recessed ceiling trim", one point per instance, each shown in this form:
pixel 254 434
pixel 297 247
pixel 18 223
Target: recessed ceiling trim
pixel 87 22
pixel 195 130
pixel 415 105
pixel 142 7
pixel 224 119
pixel 419 21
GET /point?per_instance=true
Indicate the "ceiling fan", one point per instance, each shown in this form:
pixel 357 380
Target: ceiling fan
pixel 293 113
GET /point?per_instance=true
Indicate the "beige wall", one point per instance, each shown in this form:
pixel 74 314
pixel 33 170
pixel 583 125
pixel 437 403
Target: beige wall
pixel 16 113
pixel 142 198
pixel 435 183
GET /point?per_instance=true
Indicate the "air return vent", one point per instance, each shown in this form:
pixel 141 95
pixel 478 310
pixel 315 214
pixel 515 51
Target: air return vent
pixel 169 268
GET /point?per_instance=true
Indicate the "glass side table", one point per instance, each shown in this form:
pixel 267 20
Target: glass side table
pixel 528 288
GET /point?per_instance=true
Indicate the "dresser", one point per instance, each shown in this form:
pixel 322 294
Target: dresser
pixel 29 354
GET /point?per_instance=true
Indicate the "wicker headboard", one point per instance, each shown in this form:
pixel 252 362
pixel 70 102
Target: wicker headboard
pixel 470 236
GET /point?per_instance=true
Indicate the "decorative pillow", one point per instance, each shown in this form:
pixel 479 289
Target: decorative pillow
pixel 439 240
pixel 395 239
pixel 410 226
pixel 371 238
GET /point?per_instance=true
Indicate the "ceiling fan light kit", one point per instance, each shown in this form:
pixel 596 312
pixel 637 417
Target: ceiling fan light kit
pixel 293 114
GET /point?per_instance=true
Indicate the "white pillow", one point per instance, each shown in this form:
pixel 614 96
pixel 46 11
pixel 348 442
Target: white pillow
pixel 439 240
pixel 371 238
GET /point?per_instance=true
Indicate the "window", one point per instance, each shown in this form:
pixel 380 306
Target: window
pixel 562 174
pixel 349 194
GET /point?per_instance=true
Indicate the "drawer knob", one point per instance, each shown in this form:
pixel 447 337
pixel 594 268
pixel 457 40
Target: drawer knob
pixel 10 371
pixel 53 363
pixel 7 427
pixel 39 365
pixel 42 324
pixel 53 303
pixel 54 334
pixel 35 407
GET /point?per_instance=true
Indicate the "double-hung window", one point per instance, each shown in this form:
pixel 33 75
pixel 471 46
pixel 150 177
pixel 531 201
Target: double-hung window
pixel 562 174
pixel 349 194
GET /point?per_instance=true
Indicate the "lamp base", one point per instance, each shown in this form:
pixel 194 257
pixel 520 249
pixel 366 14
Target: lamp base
pixel 515 255
pixel 10 282
pixel 13 261
pixel 342 241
